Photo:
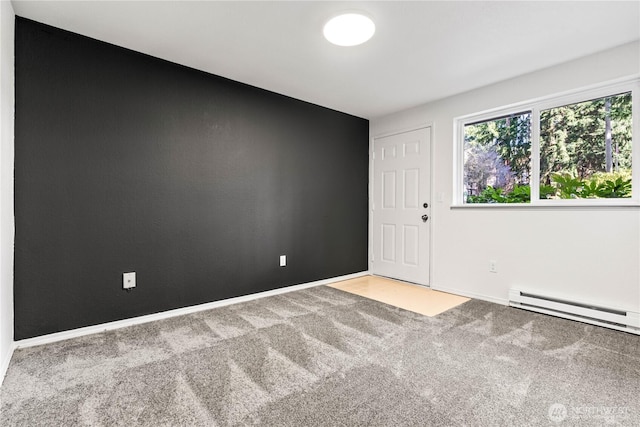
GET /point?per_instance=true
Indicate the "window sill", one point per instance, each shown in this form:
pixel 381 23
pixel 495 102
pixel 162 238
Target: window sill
pixel 555 204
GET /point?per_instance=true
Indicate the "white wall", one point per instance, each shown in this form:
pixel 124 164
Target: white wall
pixel 592 254
pixel 7 22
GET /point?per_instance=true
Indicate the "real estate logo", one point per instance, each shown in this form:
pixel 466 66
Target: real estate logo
pixel 557 412
pixel 610 414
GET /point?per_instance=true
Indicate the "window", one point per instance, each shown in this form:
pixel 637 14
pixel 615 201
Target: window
pixel 497 159
pixel 585 149
pixel 577 148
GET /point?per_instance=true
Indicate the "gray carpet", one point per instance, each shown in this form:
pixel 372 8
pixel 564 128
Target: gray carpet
pixel 323 357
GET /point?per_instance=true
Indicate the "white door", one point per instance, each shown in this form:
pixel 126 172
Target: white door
pixel 401 206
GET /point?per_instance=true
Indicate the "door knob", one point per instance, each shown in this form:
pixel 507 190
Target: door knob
pixel 425 218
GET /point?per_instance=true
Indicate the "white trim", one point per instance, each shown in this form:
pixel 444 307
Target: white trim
pixel 432 198
pixel 561 203
pixel 7 155
pixel 4 363
pixel 472 295
pixel 534 106
pixel 457 198
pixel 74 333
pixel 370 206
pixel 534 177
pixel 404 130
pixel 635 139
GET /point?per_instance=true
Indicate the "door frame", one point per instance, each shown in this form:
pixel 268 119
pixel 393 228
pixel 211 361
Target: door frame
pixel 429 127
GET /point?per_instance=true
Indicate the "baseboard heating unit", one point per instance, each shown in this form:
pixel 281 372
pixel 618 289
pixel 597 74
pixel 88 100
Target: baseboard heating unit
pixel 614 318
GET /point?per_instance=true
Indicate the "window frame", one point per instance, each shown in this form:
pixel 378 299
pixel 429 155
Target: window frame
pixel 536 106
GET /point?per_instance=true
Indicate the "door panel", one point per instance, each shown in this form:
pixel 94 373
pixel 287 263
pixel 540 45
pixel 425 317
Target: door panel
pixel 401 187
pixel 411 188
pixel 410 251
pixel 389 189
pixel 389 242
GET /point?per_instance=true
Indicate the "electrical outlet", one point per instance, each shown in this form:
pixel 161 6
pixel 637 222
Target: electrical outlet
pixel 493 266
pixel 283 260
pixel 129 280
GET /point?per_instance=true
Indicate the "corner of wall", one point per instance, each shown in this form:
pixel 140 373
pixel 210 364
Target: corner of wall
pixel 7 224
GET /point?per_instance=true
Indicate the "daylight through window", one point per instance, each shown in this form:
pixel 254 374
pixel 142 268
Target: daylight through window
pixel 556 149
pixel 497 159
pixel 585 149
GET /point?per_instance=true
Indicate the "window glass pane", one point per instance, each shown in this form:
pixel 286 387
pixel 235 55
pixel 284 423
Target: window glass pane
pixel 497 160
pixel 585 149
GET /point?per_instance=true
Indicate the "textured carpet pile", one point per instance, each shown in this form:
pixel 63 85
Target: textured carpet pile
pixel 323 357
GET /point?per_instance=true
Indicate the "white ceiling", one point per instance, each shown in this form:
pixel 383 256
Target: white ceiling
pixel 421 51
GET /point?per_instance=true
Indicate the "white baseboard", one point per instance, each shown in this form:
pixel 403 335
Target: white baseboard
pixel 4 363
pixel 60 336
pixel 501 301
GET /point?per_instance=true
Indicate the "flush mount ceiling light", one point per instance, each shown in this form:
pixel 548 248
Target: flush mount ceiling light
pixel 349 29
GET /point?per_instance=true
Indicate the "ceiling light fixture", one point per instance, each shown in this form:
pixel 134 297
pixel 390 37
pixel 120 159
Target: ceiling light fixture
pixel 349 29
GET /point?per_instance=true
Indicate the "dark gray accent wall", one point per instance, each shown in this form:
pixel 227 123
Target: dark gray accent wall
pixel 125 162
